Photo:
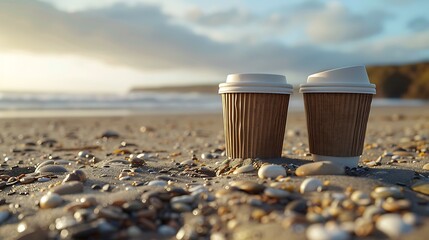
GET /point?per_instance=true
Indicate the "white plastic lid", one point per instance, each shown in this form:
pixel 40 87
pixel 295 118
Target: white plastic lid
pixel 340 80
pixel 255 83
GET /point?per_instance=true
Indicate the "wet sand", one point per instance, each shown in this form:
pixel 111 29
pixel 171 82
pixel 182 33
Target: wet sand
pixel 169 140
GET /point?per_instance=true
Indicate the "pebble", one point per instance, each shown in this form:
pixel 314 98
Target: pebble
pixel 51 169
pixel 43 179
pixel 326 232
pixel 271 171
pixel 110 134
pixel 310 185
pixel 183 199
pixel 124 178
pixel 421 187
pixel 44 163
pixel 276 193
pixel 207 156
pixel 371 211
pixel 244 169
pixel 360 198
pixel 403 153
pixel 65 222
pixel 51 200
pixel 319 168
pixel 27 180
pixel 411 218
pixel 166 230
pixel 363 227
pixel 297 206
pixel 71 177
pixel 68 188
pixel 391 205
pixel 426 166
pixel 81 174
pixel 189 162
pixel 392 225
pixel 4 215
pixel 137 162
pixel 386 192
pixel 159 183
pixel 248 186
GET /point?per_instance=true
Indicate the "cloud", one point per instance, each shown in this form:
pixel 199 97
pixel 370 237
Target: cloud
pixel 228 17
pixel 418 24
pixel 336 24
pixel 141 37
pixel 144 38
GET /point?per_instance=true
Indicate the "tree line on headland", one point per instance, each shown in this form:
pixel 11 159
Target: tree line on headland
pixel 401 81
pixel 393 81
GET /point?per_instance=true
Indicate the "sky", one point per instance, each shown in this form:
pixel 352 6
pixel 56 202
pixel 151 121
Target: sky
pixel 109 46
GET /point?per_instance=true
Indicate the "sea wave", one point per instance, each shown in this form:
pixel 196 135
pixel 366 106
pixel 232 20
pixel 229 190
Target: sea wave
pixel 147 101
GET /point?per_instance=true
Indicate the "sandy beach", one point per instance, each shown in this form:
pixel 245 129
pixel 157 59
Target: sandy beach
pixel 131 160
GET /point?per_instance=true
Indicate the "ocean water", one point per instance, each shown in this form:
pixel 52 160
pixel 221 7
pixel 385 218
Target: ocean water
pixel 13 104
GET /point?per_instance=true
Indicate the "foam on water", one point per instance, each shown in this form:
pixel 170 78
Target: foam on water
pixel 136 103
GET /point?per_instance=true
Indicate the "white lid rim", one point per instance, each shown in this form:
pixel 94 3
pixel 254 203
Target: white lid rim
pixel 339 90
pixel 240 89
pixel 345 85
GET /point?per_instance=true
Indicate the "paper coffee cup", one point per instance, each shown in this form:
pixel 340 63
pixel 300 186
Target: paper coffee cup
pixel 254 114
pixel 337 105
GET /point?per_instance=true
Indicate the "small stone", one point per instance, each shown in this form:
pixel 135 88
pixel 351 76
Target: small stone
pixel 271 171
pixel 110 212
pixel 134 232
pixel 137 162
pixel 248 186
pixel 319 168
pixel 421 187
pixel 106 188
pixel 188 199
pixel 310 185
pixel 189 162
pixel 392 205
pixel 207 156
pixel 372 211
pixel 4 215
pixel 276 193
pixel 65 222
pixel 403 153
pixel 71 177
pixel 110 134
pixel 43 179
pixel 326 232
pixel 27 180
pixel 411 218
pixel 297 206
pixel 363 227
pixel 81 174
pixel 426 166
pixel 44 163
pixel 84 154
pixel 51 169
pixel 124 178
pixel 22 227
pixel 393 225
pixel 244 169
pixel 166 230
pixel 79 231
pixel 360 198
pixel 68 188
pixel 181 207
pixel 158 183
pixel 51 200
pixel 386 192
